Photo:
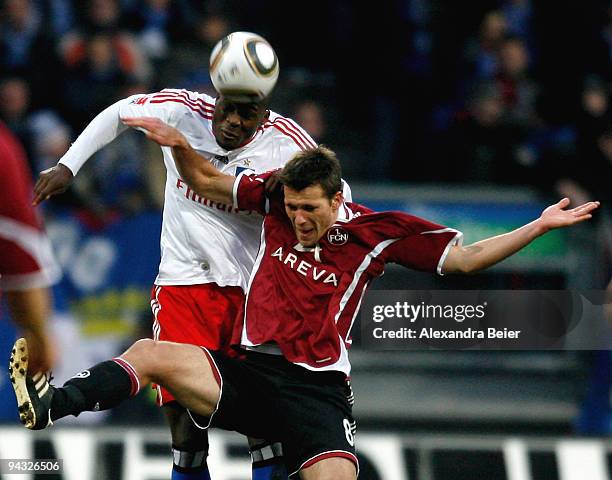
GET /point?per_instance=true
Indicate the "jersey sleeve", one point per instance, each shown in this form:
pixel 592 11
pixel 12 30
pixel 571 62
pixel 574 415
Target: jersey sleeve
pixel 167 105
pixel 151 105
pixel 294 136
pixel 249 192
pixel 27 259
pixel 423 245
pixel 102 130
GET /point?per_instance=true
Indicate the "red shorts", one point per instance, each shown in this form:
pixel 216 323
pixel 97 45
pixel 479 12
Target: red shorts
pixel 201 315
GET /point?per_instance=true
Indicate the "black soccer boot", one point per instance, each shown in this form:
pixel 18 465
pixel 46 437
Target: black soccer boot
pixel 33 392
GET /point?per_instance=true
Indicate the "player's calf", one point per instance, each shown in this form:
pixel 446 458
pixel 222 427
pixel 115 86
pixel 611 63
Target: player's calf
pixel 189 445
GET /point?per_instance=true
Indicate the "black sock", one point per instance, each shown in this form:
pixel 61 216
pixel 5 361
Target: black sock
pixel 190 465
pixel 103 386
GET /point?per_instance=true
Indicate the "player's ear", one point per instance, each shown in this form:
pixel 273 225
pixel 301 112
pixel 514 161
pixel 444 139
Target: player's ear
pixel 336 200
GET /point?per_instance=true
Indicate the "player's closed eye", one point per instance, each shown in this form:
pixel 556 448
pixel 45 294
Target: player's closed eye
pixel 306 208
pixel 247 113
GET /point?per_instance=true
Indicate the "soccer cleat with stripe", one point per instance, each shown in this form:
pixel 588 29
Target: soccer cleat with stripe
pixel 33 393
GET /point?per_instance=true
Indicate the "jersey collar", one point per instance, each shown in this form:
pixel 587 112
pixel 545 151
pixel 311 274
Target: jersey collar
pixel 345 214
pixel 316 250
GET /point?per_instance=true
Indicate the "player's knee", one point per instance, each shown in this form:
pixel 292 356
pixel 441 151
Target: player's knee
pixel 337 474
pixel 335 468
pixel 141 348
pixel 144 356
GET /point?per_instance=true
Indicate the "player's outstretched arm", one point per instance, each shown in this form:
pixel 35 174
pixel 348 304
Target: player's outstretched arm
pixel 102 130
pixel 196 170
pixel 483 254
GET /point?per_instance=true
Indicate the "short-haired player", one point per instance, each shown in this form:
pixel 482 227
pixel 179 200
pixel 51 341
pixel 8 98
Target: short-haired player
pixel 303 295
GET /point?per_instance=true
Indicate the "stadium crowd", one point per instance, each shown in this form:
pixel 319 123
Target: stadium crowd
pixel 484 91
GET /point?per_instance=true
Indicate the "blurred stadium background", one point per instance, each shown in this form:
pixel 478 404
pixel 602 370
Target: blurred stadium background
pixel 476 114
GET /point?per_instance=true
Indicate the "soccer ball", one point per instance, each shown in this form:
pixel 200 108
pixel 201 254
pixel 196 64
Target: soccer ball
pixel 243 66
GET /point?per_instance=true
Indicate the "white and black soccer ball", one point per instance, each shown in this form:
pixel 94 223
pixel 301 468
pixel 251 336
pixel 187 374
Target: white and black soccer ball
pixel 243 65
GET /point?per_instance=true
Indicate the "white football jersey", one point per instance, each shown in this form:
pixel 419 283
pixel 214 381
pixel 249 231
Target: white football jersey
pixel 201 241
pixel 204 241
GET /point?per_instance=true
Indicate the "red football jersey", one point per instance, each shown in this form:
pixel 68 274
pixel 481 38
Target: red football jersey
pixel 306 299
pixel 26 260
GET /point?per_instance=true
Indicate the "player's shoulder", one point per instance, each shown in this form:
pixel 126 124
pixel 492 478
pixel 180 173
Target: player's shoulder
pixel 351 211
pixel 188 94
pixel 361 217
pixel 288 131
pixel 261 177
pixel 388 223
pixel 182 100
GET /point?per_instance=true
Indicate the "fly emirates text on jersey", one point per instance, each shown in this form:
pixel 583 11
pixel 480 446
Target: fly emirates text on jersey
pixel 193 196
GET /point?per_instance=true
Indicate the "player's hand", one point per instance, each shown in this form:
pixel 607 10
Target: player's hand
pixel 273 182
pixel 556 216
pixel 52 181
pixel 158 131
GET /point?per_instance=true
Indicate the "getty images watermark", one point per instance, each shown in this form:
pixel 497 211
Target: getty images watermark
pixel 487 319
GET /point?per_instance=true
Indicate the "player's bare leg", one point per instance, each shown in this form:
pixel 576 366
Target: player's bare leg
pixel 185 435
pixel 182 369
pixel 190 450
pixel 334 468
pixel 30 308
